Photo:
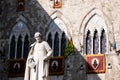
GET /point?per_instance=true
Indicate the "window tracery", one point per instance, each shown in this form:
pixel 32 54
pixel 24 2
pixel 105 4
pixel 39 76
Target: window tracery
pixel 19 41
pixel 57 37
pixel 99 42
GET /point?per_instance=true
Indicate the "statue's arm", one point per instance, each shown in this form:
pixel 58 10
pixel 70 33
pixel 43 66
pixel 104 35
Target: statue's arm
pixel 49 53
pixel 49 50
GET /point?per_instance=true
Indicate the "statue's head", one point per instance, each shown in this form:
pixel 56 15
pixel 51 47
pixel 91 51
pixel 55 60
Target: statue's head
pixel 37 36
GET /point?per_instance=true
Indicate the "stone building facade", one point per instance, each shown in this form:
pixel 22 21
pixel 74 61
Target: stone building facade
pixel 79 20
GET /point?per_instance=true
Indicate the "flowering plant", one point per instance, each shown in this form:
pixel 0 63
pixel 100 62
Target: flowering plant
pixel 69 48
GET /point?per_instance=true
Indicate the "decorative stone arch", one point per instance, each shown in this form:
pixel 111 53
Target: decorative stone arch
pixel 19 29
pixel 58 15
pixel 89 15
pixel 94 18
pixel 21 18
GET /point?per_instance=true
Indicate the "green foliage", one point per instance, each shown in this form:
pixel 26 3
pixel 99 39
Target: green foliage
pixel 69 49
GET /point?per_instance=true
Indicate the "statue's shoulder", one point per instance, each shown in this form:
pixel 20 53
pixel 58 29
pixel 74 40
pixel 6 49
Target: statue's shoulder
pixel 33 44
pixel 44 42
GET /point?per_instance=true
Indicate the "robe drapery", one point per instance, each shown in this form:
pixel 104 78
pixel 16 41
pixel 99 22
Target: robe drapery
pixel 40 52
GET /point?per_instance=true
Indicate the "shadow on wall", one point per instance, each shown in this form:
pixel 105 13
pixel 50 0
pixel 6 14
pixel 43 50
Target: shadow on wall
pixel 75 63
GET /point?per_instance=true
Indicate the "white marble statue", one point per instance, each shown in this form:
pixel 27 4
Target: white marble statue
pixel 37 61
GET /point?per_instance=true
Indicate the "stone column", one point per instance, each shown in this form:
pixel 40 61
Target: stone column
pixel 91 44
pixel 16 40
pixel 59 45
pixel 22 47
pixel 53 44
pixel 99 36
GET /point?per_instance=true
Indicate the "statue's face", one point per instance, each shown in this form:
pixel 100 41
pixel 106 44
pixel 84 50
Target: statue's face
pixel 38 39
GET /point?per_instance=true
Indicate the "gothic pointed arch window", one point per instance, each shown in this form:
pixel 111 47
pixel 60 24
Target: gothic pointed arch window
pixel 63 44
pixel 26 47
pixel 95 43
pixel 57 37
pixel 12 47
pixel 98 34
pixel 19 47
pixel 88 43
pixel 103 42
pixel 56 45
pixel 50 39
pixel 20 41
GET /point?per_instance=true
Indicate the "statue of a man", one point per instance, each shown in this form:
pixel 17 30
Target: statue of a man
pixel 37 67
